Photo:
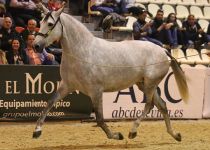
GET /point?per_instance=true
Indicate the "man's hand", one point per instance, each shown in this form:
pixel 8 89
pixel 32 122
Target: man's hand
pixel 169 25
pixel 50 57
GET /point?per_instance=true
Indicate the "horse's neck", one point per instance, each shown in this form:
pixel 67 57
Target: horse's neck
pixel 76 36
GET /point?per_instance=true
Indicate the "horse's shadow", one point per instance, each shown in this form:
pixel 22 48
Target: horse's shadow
pixel 104 146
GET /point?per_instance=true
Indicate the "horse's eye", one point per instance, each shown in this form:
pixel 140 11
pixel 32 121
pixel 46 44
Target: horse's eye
pixel 50 24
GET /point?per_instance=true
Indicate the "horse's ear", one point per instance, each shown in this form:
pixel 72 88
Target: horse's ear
pixel 59 11
pixel 41 7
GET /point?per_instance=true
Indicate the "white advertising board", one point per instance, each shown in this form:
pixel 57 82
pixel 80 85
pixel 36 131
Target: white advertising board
pixel 129 103
pixel 206 107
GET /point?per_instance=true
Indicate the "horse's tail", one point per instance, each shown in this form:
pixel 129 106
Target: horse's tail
pixel 180 78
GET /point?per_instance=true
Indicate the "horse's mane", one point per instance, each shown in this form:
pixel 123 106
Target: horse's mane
pixel 82 29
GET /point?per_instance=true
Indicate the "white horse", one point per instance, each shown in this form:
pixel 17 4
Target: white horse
pixel 93 66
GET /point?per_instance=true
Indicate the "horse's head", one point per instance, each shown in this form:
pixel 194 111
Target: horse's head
pixel 51 28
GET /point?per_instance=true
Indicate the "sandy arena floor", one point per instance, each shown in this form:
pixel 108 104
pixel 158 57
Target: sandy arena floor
pixel 69 135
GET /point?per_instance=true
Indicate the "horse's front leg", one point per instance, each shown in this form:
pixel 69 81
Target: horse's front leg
pixel 98 108
pixel 61 93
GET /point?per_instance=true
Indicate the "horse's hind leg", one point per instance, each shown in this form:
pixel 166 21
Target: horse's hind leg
pixel 149 92
pixel 98 108
pixel 161 105
pixel 61 93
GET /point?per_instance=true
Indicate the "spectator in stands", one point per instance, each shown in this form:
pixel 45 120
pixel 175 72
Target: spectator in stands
pixel 30 29
pixel 158 27
pixel 83 10
pixel 105 7
pixel 34 58
pixel 3 59
pixel 192 31
pixel 172 30
pixel 128 6
pixel 22 11
pixel 142 30
pixel 124 5
pixel 54 4
pixel 2 14
pixel 7 33
pixel 3 11
pixel 16 55
pixel 83 7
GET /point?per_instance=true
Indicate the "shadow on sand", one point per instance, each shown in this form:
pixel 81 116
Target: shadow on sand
pixel 101 146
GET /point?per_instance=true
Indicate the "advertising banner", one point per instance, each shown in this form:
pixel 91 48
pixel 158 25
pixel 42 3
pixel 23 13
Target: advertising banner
pixel 129 103
pixel 206 107
pixel 24 91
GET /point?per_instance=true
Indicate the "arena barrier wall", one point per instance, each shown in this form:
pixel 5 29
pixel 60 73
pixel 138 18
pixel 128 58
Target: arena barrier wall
pixel 24 91
pixel 129 103
pixel 206 108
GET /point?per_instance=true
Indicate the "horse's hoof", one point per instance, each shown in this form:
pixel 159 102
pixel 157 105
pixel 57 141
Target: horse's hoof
pixel 118 136
pixel 36 134
pixel 178 137
pixel 132 135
